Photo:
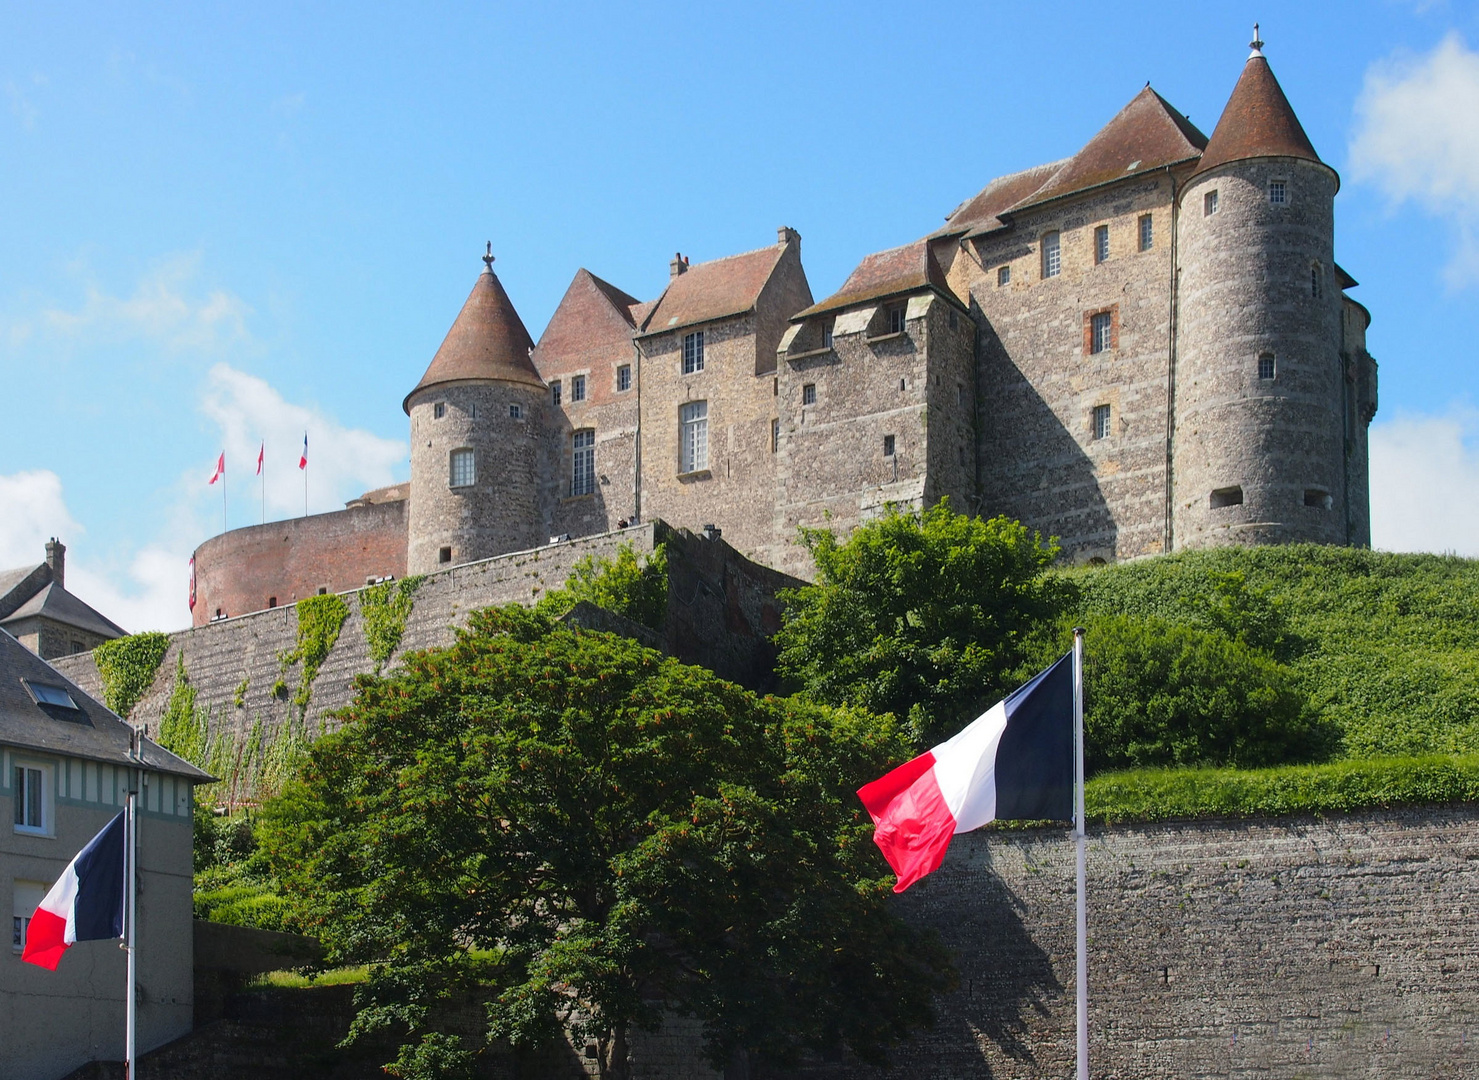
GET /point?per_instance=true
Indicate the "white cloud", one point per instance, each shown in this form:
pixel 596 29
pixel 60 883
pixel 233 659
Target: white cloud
pixel 342 462
pixel 1417 138
pixel 1425 483
pixel 32 510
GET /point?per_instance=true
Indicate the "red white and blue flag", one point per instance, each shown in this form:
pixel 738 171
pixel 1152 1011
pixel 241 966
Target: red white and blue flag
pixel 303 461
pixel 86 903
pixel 1015 762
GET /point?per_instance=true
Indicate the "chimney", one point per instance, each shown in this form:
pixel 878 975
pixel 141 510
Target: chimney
pixel 786 236
pixel 56 558
pixel 678 265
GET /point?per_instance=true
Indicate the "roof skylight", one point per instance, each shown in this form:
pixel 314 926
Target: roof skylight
pixel 51 695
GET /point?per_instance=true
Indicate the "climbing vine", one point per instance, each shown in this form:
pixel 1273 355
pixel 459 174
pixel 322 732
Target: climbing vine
pixel 319 620
pixel 184 729
pixel 128 666
pixel 385 608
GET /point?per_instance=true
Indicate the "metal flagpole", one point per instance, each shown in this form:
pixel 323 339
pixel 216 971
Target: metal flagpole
pixel 1082 928
pixel 223 494
pixel 263 470
pixel 130 875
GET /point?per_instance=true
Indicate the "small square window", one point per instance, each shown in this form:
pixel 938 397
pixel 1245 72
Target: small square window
pixel 1003 276
pixel 439 410
pixel 516 412
pixel 444 555
pixel 1278 192
pixel 693 352
pixel 623 377
pixel 1209 204
pixel 1147 232
pixel 577 388
pixel 1101 421
pixel 1101 332
pixel 888 446
pixel 554 390
pixel 1225 497
pixel 809 394
pixel 1101 243
pixel 1266 367
pixel 896 320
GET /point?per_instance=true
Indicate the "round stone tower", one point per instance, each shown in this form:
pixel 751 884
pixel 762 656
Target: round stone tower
pixel 477 439
pixel 1259 445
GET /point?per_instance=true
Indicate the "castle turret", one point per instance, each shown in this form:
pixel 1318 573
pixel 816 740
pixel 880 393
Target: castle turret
pixel 478 430
pixel 1258 447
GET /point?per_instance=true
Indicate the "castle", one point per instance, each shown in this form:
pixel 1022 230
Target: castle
pixel 1142 348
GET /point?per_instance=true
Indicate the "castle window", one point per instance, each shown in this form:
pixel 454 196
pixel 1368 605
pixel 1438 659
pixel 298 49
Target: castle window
pixel 623 377
pixel 577 388
pixel 693 421
pixel 464 469
pixel 29 795
pixel 693 352
pixel 896 319
pixel 1003 276
pixel 1147 232
pixel 272 601
pixel 1266 366
pixel 1209 204
pixel 1101 243
pixel 809 394
pixel 1318 499
pixel 444 555
pixel 1224 497
pixel 1278 192
pixel 1101 332
pixel 515 412
pixel 472 411
pixel 1315 280
pixel 1052 255
pixel 901 386
pixel 775 436
pixel 959 394
pixel 439 410
pixel 554 390
pixel 827 334
pixel 583 462
pixel 888 446
pixel 1101 421
pixel 323 590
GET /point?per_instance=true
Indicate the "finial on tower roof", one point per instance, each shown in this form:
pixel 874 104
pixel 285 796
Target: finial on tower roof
pixel 488 259
pixel 1256 44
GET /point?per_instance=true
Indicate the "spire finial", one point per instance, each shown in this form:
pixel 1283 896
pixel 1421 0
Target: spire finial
pixel 488 259
pixel 1256 44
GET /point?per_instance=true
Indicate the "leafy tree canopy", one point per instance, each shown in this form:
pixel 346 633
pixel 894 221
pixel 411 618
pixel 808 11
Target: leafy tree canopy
pixel 924 616
pixel 626 584
pixel 592 834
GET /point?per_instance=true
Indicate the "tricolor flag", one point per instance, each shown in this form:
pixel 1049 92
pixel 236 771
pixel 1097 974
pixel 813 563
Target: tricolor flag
pixel 1015 762
pixel 220 469
pixel 303 461
pixel 86 903
pixel 260 454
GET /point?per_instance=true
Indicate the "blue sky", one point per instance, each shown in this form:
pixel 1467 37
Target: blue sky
pixel 222 224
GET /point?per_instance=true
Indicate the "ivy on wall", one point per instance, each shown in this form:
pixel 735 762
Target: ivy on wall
pixel 385 608
pixel 320 619
pixel 128 666
pixel 184 729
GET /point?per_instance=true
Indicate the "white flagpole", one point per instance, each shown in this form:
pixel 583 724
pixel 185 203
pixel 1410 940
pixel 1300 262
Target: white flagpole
pixel 1082 928
pixel 130 875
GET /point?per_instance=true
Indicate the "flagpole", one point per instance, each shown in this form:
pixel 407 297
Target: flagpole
pixel 223 495
pixel 262 461
pixel 130 913
pixel 1080 842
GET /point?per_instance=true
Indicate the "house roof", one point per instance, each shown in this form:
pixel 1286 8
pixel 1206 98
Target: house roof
pixel 89 731
pixel 981 213
pixel 9 579
pixel 900 270
pixel 1146 135
pixel 488 342
pixel 713 290
pixel 56 603
pixel 592 315
pixel 1257 122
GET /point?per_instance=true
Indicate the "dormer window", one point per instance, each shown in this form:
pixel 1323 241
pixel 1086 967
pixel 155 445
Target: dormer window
pixel 827 334
pixel 896 319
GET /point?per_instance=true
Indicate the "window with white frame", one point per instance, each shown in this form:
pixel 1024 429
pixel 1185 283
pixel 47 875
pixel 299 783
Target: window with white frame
pixel 1101 421
pixel 1003 276
pixel 827 334
pixel 1101 332
pixel 554 391
pixel 1052 255
pixel 30 794
pixel 1101 243
pixel 1278 192
pixel 1147 232
pixel 809 394
pixel 693 423
pixel 439 410
pixel 693 352
pixel 577 388
pixel 623 377
pixel 1209 204
pixel 26 897
pixel 583 462
pixel 1266 366
pixel 515 411
pixel 464 469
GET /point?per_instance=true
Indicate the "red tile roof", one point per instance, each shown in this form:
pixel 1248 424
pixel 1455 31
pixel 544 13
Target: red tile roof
pixel 901 270
pixel 980 214
pixel 1258 122
pixel 487 342
pixel 713 290
pixel 593 316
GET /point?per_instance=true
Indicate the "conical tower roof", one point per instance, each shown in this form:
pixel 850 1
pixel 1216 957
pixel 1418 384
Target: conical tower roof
pixel 1258 121
pixel 488 342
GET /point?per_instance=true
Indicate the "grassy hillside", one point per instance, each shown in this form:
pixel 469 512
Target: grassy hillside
pixel 1385 646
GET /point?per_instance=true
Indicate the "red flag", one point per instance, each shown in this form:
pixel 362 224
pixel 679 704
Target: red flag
pixel 303 461
pixel 192 582
pixel 261 452
pixel 220 469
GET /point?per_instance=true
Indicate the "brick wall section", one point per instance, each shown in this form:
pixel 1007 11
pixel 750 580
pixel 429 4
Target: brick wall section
pixel 242 570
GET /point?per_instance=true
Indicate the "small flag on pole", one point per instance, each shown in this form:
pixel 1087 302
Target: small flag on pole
pixel 303 461
pixel 261 453
pixel 220 469
pixel 86 903
pixel 1015 762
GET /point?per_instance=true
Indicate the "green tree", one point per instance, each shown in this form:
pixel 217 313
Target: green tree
pixel 626 584
pixel 925 616
pixel 589 835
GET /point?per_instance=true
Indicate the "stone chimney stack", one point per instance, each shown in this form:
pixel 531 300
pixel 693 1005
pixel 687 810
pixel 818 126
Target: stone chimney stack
pixel 785 236
pixel 56 558
pixel 678 265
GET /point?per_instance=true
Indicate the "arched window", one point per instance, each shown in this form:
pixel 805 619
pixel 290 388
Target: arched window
pixel 463 472
pixel 1052 255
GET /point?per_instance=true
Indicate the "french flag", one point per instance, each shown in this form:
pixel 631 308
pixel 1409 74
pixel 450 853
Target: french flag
pixel 1015 762
pixel 86 903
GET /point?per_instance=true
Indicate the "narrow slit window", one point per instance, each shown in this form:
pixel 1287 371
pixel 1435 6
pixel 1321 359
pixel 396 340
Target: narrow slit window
pixel 775 436
pixel 1147 232
pixel 1315 280
pixel 1101 244
pixel 1052 255
pixel 888 446
pixel 1228 496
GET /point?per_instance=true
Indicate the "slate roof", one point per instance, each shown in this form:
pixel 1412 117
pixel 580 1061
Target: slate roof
pixel 896 272
pixel 1258 122
pixel 56 603
pixel 487 342
pixel 90 731
pixel 713 290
